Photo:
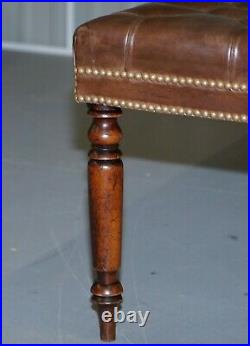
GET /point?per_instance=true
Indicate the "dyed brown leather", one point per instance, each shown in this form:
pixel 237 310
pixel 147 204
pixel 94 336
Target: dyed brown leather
pixel 198 40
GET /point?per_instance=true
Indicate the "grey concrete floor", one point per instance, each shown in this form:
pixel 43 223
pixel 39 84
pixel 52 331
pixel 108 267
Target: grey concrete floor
pixel 185 218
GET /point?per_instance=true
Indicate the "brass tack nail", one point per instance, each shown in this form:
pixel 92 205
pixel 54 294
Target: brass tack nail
pixel 220 84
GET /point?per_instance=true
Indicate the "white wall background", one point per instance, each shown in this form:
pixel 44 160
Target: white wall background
pixel 47 27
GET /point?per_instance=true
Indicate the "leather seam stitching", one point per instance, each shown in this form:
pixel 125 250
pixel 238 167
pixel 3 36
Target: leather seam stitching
pixel 129 40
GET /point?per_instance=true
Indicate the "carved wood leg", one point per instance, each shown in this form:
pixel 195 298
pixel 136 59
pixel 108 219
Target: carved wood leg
pixel 105 177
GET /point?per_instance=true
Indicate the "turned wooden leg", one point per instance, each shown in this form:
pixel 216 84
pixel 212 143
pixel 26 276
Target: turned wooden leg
pixel 105 177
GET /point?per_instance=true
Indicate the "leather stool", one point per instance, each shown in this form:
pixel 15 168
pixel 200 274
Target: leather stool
pixel 183 59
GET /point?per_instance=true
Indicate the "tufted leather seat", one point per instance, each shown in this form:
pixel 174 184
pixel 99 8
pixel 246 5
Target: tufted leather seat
pixel 175 58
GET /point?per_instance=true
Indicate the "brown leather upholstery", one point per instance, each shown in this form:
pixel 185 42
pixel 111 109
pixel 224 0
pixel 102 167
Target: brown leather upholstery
pixel 175 58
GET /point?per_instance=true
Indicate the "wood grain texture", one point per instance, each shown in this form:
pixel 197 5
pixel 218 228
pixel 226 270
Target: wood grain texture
pixel 105 178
